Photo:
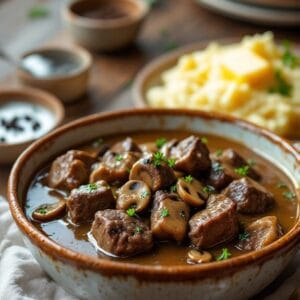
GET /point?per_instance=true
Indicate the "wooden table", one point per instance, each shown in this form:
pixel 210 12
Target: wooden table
pixel 170 24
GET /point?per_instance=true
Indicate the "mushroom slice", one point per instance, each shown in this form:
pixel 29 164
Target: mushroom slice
pixel 199 257
pixel 191 191
pixel 134 193
pixel 49 211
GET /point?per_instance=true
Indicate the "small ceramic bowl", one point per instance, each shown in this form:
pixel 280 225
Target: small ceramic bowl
pixel 10 151
pixel 105 25
pixel 63 72
pixel 90 277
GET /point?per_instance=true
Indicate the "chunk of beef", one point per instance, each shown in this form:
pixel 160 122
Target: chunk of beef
pixel 250 196
pixel 232 158
pixel 157 176
pixel 260 234
pixel 70 170
pixel 114 167
pixel 192 156
pixel 169 217
pixel 128 145
pixel 86 200
pixel 221 175
pixel 214 225
pixel 118 234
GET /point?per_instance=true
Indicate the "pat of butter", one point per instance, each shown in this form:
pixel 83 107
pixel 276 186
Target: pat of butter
pixel 242 65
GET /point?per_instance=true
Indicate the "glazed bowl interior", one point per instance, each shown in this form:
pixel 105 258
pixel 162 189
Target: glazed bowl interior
pixel 266 144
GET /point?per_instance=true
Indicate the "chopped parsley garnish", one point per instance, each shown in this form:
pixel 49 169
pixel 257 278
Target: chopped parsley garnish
pixel 281 185
pixel 160 142
pixel 144 194
pixel 42 210
pixel 173 188
pixel 151 2
pixel 182 214
pixel 251 162
pixel 288 58
pixel 219 152
pixel 138 229
pixel 208 189
pixel 128 170
pixel 188 178
pixel 242 171
pixel 244 236
pixel 281 86
pixel 89 187
pixel 224 255
pixel 119 157
pixel 131 212
pixel 217 167
pixel 38 12
pixel 289 195
pixel 171 162
pixel 204 140
pixel 164 213
pixel 158 158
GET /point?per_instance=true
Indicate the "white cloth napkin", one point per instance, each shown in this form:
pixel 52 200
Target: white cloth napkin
pixel 22 278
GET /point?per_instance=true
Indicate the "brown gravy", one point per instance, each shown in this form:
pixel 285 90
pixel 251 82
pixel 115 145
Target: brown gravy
pixel 75 237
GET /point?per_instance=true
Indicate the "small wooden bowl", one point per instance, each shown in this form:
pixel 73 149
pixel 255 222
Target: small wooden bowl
pixel 68 87
pixel 116 30
pixel 10 152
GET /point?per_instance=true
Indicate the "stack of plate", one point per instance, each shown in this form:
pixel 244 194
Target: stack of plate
pixel 267 12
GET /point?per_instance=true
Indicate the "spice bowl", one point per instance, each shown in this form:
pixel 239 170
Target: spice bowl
pixel 25 115
pixel 63 72
pixel 105 25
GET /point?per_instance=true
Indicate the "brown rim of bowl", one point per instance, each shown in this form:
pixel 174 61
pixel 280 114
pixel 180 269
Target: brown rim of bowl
pixel 73 17
pixel 146 272
pixel 158 64
pixel 28 94
pixel 76 51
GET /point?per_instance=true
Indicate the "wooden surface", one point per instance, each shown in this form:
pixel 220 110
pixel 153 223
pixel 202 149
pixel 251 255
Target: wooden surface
pixel 170 24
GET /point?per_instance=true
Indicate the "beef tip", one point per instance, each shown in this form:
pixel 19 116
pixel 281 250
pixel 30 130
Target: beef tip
pixel 118 234
pixel 233 159
pixel 169 217
pixel 114 167
pixel 128 145
pixel 260 234
pixel 70 170
pixel 221 175
pixel 156 174
pixel 214 225
pixel 250 196
pixel 192 156
pixel 86 200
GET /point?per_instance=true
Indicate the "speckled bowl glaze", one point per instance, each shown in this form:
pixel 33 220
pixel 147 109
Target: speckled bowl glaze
pixel 93 278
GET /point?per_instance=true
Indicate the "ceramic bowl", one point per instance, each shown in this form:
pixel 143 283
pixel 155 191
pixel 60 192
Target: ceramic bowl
pixel 67 87
pixel 90 277
pixel 110 32
pixel 9 152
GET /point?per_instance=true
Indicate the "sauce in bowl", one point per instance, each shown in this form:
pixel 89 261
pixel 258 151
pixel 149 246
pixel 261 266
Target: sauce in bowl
pixel 22 121
pixel 51 63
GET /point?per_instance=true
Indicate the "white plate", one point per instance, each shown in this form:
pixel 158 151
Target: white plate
pixel 255 14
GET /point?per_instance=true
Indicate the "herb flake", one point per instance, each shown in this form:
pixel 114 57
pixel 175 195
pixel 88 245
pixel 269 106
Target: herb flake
pixel 131 212
pixel 281 86
pixel 164 213
pixel 188 178
pixel 224 255
pixel 38 12
pixel 289 195
pixel 244 236
pixel 242 171
pixel 160 142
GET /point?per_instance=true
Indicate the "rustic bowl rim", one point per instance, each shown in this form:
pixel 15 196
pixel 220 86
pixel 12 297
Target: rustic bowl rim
pixel 41 98
pixel 72 17
pixel 75 50
pixel 146 272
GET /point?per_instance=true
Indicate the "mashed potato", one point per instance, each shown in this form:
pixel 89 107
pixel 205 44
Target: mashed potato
pixel 254 79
